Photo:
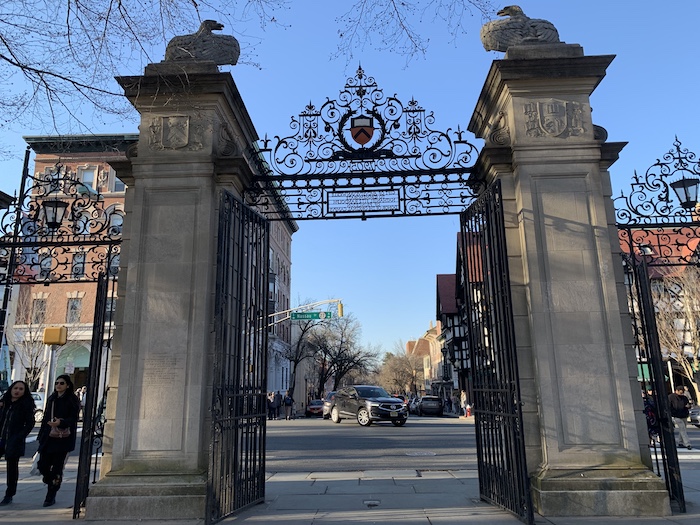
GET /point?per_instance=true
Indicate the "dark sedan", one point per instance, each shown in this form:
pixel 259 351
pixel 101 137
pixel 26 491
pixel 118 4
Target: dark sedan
pixel 429 406
pixel 368 404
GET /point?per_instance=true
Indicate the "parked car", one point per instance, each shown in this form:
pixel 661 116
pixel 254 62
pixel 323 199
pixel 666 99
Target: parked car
pixel 694 416
pixel 367 404
pixel 429 406
pixel 327 403
pixel 314 408
pixel 39 404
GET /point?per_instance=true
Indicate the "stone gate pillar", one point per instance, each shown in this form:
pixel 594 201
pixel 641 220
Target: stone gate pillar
pixel 194 133
pixel 586 448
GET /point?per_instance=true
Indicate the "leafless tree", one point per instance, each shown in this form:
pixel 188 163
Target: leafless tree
pixel 301 348
pixel 391 25
pixel 401 372
pixel 338 351
pixel 676 299
pixel 58 58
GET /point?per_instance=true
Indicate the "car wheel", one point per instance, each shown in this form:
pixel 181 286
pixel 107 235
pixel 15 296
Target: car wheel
pixel 38 415
pixel 335 415
pixel 399 422
pixel 363 417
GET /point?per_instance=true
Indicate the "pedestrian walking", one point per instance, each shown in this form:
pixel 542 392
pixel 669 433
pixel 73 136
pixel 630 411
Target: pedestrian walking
pixel 463 402
pixel 277 404
pixel 288 403
pixel 270 406
pixel 57 435
pixel 16 422
pixel 680 408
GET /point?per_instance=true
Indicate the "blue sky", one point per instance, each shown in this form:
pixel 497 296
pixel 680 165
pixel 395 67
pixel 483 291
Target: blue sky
pixel 384 269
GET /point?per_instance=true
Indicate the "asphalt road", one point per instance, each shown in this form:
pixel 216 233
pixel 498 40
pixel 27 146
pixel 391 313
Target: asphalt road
pixel 425 443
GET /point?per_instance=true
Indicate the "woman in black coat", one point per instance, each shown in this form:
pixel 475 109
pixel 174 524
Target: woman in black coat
pixel 62 409
pixel 16 422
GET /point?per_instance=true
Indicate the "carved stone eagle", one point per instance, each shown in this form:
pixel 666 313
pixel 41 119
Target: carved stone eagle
pixel 499 35
pixel 205 46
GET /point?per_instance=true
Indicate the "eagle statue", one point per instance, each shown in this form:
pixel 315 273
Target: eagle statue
pixel 205 46
pixel 499 35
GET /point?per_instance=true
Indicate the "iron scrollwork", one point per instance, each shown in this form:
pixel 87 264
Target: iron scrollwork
pixel 364 154
pixel 651 221
pixel 84 242
pixel 650 200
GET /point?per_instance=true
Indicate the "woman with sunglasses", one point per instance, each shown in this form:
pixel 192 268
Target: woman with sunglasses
pixel 62 408
pixel 16 422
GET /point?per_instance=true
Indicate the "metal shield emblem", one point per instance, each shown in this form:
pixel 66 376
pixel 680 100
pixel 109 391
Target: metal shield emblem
pixel 362 129
pixel 176 132
pixel 553 117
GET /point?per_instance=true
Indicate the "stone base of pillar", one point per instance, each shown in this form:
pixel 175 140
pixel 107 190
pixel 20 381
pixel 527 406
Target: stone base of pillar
pixel 631 492
pixel 138 497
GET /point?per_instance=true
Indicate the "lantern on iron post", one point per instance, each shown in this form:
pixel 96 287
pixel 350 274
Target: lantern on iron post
pixel 54 212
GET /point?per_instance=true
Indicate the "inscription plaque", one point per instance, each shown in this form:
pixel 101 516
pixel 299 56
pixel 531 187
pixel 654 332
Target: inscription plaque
pixel 354 201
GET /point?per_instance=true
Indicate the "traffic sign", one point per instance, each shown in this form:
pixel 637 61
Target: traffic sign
pixel 296 316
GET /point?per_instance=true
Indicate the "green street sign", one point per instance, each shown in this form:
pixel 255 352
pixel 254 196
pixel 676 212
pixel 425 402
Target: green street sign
pixel 297 316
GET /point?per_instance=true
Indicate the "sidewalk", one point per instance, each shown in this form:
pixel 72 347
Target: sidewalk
pixel 390 497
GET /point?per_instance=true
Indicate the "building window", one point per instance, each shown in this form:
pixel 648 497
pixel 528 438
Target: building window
pixel 87 176
pixel 118 184
pixel 75 305
pixel 114 265
pixel 116 221
pixel 78 264
pixel 38 311
pixel 111 306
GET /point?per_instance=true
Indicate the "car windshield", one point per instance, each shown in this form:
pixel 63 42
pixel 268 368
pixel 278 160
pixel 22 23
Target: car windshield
pixel 371 391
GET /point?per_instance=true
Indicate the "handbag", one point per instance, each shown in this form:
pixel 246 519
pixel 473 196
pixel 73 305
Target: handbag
pixel 56 432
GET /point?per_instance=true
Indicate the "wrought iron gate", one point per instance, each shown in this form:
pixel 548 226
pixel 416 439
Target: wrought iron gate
pixel 503 477
pixel 59 230
pixel 91 439
pixel 661 433
pixel 659 234
pixel 239 403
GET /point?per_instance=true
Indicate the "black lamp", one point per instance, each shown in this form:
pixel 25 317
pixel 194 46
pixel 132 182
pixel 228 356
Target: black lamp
pixel 54 210
pixel 687 191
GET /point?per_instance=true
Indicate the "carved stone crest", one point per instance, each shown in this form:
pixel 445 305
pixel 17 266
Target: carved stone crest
pixel 554 118
pixel 174 132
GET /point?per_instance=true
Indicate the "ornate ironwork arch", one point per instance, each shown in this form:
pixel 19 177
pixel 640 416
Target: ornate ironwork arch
pixel 364 155
pixel 82 243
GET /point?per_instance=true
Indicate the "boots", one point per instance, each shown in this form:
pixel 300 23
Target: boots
pixel 50 498
pixel 51 493
pixel 6 500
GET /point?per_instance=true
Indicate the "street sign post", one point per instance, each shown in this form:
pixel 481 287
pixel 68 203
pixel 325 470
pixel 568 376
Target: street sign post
pixel 298 316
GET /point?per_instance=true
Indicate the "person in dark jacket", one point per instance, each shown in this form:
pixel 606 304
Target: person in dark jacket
pixel 680 408
pixel 62 409
pixel 16 422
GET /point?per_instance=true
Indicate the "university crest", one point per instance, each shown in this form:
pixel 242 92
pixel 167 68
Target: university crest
pixel 554 118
